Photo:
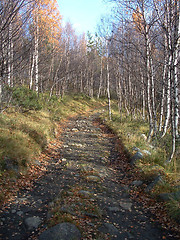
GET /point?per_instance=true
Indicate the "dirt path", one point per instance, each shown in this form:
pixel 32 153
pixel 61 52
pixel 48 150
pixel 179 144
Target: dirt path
pixel 83 188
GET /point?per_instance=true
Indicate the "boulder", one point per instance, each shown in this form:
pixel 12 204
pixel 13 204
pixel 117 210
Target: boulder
pixel 62 231
pixel 126 205
pixel 157 180
pixel 85 194
pixel 136 149
pixel 169 196
pixel 138 155
pixel 10 165
pixel 143 136
pixel 146 152
pixel 165 196
pixel 177 195
pixel 32 222
pixel 137 183
pixel 114 209
pixel 109 228
pixel 92 178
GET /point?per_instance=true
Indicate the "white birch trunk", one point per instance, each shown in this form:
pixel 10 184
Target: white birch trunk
pixel 9 62
pixel 101 79
pixel 153 98
pixel 31 71
pixel 163 94
pixel 176 59
pixel 119 93
pixel 0 90
pixel 81 82
pixel 168 98
pixel 143 97
pixel 108 82
pixel 36 45
pixel 148 70
pixel 12 65
pixel 91 92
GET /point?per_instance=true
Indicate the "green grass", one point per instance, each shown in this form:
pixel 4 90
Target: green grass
pixel 24 132
pixel 130 131
pixel 23 135
pixel 173 208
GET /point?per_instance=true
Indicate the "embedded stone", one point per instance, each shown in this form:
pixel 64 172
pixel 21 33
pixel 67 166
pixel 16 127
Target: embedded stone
pixel 136 157
pixel 126 205
pixel 32 222
pixel 93 178
pixel 84 193
pixel 62 231
pixel 137 183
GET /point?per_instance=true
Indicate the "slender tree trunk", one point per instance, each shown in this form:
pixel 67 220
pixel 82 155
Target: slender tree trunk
pixel 173 133
pixel 101 79
pixel 10 60
pixel 31 72
pixel 168 98
pixel 153 99
pixel 176 56
pixel 119 93
pixel 163 94
pixel 143 97
pixel 81 82
pixel 108 83
pixel 148 70
pixel 36 44
pixel 91 83
pixel 0 91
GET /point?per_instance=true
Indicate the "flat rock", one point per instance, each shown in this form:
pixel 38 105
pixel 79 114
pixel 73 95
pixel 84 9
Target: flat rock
pixel 19 213
pixel 144 136
pixel 138 155
pixel 92 178
pixel 136 149
pixel 177 195
pixel 126 205
pixel 157 180
pixel 146 152
pixel 109 228
pixel 165 196
pixel 85 194
pixel 75 130
pixel 67 209
pixel 62 231
pixel 137 183
pixel 32 222
pixel 169 196
pixel 130 236
pixel 91 215
pixel 114 209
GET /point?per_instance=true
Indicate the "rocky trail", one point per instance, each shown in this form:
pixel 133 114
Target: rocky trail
pixel 82 194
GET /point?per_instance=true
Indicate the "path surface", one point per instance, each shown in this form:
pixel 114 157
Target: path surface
pixel 83 187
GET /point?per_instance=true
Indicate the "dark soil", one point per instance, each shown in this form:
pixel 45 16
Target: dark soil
pixel 90 161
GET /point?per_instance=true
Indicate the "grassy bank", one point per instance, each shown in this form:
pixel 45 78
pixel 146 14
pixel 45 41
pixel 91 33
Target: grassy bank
pixel 132 133
pixel 27 127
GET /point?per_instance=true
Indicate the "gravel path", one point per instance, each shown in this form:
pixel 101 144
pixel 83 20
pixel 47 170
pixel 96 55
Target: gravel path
pixel 82 186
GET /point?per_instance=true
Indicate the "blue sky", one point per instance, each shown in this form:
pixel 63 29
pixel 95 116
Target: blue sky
pixel 83 14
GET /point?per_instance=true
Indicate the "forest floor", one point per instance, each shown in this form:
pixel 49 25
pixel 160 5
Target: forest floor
pixel 84 178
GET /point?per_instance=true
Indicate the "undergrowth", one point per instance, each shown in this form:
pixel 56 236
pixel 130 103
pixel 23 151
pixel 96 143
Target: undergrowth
pixel 30 123
pixel 132 132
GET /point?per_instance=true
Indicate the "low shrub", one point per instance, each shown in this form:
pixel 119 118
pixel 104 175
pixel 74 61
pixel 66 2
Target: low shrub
pixel 26 99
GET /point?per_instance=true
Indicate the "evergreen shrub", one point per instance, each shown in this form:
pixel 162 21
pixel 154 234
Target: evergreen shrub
pixel 26 99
